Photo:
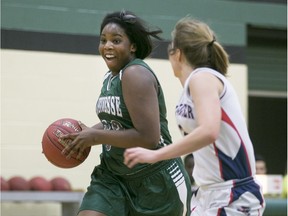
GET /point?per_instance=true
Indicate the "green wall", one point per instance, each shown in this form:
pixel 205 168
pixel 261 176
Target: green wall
pixel 228 18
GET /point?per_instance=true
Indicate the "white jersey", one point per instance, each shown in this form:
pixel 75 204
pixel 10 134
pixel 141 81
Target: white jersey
pixel 231 156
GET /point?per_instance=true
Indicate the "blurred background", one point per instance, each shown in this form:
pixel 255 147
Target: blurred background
pixel 51 69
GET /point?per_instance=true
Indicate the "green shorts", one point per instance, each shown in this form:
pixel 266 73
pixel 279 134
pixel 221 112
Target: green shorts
pixel 163 189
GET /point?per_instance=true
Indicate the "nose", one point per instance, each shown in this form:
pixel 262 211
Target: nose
pixel 108 45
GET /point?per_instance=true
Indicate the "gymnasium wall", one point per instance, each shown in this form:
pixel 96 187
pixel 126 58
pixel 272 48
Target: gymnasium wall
pixel 228 17
pixel 40 87
pixel 73 27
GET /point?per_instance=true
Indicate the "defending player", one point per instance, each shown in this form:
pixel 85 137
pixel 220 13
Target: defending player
pixel 210 118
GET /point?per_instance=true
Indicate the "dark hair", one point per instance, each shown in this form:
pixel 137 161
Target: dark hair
pixel 187 157
pixel 259 157
pixel 136 30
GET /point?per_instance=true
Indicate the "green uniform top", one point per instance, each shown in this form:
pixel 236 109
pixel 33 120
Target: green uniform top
pixel 113 113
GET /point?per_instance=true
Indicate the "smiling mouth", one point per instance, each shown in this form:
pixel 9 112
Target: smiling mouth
pixel 109 56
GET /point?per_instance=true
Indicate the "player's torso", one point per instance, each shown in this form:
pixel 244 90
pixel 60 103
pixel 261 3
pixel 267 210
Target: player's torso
pixel 114 115
pixel 231 155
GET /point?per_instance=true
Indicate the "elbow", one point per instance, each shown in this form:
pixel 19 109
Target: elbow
pixel 148 137
pixel 211 135
pixel 152 141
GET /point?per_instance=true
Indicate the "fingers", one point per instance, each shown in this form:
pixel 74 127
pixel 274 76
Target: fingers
pixel 74 144
pixel 130 157
pixel 71 144
pixel 69 150
pixel 80 153
pixel 131 163
pixel 70 136
pixel 72 149
pixel 83 126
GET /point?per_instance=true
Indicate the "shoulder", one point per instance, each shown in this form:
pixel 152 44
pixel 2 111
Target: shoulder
pixel 206 79
pixel 141 72
pixel 203 77
pixel 206 72
pixel 136 63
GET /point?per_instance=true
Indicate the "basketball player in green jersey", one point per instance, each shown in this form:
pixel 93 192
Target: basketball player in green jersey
pixel 132 111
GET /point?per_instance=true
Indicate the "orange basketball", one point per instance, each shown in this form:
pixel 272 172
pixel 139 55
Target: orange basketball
pixel 4 184
pixel 52 145
pixel 60 184
pixel 39 183
pixel 19 183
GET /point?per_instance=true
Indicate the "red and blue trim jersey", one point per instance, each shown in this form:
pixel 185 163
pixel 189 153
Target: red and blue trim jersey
pixel 231 156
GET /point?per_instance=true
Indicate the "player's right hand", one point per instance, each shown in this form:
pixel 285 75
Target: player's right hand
pixel 133 156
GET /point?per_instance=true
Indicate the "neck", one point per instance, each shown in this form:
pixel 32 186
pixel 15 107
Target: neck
pixel 186 70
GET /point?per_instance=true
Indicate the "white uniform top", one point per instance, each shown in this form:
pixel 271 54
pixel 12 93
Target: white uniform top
pixel 231 156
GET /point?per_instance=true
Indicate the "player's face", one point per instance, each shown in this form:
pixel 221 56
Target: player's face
pixel 173 58
pixel 260 167
pixel 115 47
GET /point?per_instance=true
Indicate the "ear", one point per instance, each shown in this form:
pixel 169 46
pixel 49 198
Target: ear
pixel 178 54
pixel 133 48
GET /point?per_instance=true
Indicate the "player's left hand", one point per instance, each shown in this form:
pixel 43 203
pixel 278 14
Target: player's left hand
pixel 78 142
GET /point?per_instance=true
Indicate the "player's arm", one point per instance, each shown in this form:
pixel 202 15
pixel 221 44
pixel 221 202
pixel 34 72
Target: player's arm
pixel 140 91
pixel 98 126
pixel 205 90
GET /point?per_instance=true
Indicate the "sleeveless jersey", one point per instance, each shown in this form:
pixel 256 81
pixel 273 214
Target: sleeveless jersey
pixel 113 113
pixel 231 156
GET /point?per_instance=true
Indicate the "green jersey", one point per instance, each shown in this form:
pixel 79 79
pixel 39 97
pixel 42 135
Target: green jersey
pixel 113 113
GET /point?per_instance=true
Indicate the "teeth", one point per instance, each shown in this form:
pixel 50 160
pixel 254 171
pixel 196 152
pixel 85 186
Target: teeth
pixel 109 56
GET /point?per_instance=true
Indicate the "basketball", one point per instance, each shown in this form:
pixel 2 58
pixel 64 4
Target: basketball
pixel 52 145
pixel 4 184
pixel 39 183
pixel 60 184
pixel 18 183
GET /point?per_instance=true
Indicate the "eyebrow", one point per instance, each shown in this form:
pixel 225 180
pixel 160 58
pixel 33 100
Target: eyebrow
pixel 114 35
